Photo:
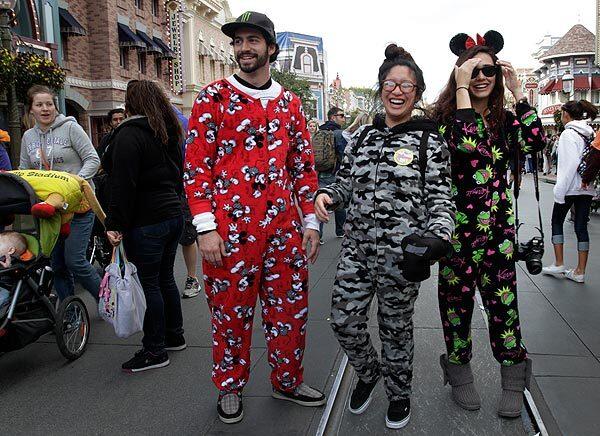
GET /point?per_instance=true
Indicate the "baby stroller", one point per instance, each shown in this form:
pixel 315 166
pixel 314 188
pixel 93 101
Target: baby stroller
pixel 32 310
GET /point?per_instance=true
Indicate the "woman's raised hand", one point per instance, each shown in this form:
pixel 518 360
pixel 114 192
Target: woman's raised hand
pixel 462 74
pixel 511 80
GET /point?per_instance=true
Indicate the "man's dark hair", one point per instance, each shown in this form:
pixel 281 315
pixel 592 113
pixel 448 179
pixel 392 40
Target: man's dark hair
pixel 333 111
pixel 115 111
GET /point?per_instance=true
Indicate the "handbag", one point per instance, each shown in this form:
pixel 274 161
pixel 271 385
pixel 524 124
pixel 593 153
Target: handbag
pixel 122 301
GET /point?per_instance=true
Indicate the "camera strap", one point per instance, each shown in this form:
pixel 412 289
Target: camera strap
pixel 517 187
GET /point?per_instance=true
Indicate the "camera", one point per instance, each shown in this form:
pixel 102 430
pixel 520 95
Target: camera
pixel 531 252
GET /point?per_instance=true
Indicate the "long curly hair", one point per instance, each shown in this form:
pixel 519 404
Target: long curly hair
pixel 147 98
pixel 445 106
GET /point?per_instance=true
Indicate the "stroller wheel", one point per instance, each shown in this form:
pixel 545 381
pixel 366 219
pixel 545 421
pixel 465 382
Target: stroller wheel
pixel 72 327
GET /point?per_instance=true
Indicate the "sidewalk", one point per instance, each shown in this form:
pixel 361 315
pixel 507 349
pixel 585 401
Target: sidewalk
pixel 43 394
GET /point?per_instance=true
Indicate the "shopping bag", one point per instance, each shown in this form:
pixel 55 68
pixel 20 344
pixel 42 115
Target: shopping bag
pixel 122 300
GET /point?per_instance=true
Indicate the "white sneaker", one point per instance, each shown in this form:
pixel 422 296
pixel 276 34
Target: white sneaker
pixel 553 270
pixel 570 274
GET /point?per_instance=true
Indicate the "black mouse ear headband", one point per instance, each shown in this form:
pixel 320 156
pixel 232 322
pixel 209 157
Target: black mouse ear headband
pixel 461 42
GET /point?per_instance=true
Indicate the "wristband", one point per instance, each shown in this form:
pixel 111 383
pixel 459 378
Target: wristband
pixel 205 232
pixel 462 87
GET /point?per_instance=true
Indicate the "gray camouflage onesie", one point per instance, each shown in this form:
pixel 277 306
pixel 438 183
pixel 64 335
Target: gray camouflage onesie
pixel 381 186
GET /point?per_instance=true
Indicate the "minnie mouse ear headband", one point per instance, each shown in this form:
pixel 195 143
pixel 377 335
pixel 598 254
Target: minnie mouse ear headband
pixel 461 42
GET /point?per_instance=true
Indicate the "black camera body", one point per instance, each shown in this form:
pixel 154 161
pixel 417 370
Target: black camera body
pixel 531 252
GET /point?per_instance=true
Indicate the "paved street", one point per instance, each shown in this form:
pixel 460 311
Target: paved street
pixel 42 394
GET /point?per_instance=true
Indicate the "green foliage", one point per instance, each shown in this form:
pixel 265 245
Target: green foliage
pixel 28 69
pixel 298 86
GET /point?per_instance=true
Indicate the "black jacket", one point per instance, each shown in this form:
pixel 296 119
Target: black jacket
pixel 145 177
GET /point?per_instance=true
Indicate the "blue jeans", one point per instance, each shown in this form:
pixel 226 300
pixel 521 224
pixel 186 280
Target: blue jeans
pixel 69 259
pixel 326 179
pixel 152 250
pixel 582 205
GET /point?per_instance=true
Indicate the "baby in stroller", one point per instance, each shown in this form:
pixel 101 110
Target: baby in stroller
pixel 12 244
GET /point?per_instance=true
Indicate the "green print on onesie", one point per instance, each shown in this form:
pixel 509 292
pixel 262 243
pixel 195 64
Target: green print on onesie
pixel 495 201
pixel 483 221
pixel 485 280
pixel 453 317
pixel 449 276
pixel 456 245
pixel 506 295
pixel 461 219
pixel 467 144
pixel 529 118
pixel 511 217
pixel 512 317
pixel 510 341
pixel 459 343
pixel 496 154
pixel 478 255
pixel 482 176
pixel 507 248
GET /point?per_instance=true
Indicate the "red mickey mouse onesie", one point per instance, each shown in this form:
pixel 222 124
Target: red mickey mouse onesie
pixel 249 166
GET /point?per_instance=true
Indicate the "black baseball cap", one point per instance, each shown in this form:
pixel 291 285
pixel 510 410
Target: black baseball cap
pixel 252 19
pixel 255 20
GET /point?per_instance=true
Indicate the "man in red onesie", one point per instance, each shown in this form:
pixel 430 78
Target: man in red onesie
pixel 249 167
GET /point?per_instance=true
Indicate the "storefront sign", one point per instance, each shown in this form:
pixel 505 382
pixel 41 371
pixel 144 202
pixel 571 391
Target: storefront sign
pixel 551 109
pixel 175 31
pixel 531 85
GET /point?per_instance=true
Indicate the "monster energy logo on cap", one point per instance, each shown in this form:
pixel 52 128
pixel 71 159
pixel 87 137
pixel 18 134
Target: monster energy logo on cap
pixel 245 16
pixel 253 19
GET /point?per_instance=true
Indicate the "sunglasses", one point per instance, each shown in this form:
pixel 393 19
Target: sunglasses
pixel 340 115
pixel 488 71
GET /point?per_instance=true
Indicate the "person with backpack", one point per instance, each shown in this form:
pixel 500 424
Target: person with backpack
pixel 569 189
pixel 395 181
pixel 329 144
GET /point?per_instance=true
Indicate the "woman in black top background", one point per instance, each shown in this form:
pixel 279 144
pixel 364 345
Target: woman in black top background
pixel 144 166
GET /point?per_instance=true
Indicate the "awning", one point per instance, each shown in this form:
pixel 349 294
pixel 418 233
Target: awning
pixel 151 46
pixel 582 83
pixel 69 24
pixel 129 39
pixel 548 88
pixel 204 50
pixel 595 83
pixel 558 86
pixel 166 50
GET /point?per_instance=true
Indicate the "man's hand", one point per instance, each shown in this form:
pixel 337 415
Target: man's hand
pixel 212 248
pixel 311 237
pixel 114 238
pixel 321 203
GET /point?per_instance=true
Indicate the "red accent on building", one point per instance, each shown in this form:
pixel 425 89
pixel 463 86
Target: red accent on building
pixel 547 89
pixel 582 83
pixel 595 83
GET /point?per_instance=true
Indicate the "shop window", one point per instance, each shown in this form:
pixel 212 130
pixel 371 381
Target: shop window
pixel 596 97
pixel 201 67
pixel 124 57
pixel 158 66
pixel 139 4
pixel 141 62
pixel 155 8
pixel 65 48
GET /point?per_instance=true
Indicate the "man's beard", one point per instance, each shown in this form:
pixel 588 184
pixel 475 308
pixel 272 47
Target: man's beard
pixel 259 61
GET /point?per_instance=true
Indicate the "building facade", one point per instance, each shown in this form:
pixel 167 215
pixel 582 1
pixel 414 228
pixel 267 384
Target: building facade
pixel 304 56
pixel 572 55
pixel 207 54
pixel 105 44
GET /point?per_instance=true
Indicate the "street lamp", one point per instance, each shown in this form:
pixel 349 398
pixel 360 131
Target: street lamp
pixel 567 83
pixel 14 123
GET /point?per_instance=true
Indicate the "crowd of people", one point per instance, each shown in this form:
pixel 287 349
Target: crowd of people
pixel 408 188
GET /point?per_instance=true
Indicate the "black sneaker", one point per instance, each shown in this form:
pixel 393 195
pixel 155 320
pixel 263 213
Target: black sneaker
pixel 230 407
pixel 361 396
pixel 303 395
pixel 144 360
pixel 175 343
pixel 398 414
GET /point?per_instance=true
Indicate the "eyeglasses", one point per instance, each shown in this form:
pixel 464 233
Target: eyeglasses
pixel 488 71
pixel 406 86
pixel 340 115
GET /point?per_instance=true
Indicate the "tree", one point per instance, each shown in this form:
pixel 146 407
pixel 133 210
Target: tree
pixel 370 95
pixel 298 86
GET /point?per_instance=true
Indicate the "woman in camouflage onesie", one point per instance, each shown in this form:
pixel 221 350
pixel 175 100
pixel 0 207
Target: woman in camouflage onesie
pixel 483 138
pixel 390 192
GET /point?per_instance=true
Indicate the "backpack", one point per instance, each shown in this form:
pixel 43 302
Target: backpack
pixel 589 167
pixel 323 143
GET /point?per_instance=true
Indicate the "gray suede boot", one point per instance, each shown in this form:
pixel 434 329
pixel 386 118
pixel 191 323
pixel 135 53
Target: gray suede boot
pixel 515 379
pixel 460 378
